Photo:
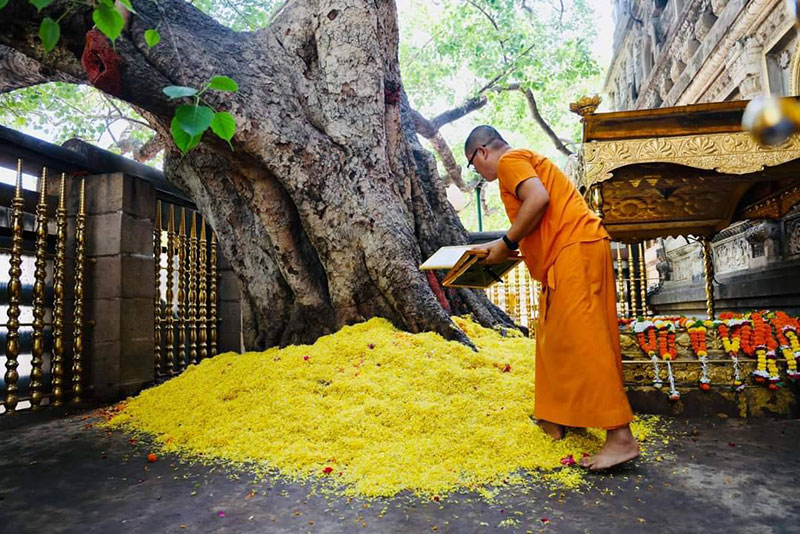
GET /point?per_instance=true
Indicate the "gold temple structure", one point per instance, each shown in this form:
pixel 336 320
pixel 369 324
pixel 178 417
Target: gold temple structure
pixel 679 171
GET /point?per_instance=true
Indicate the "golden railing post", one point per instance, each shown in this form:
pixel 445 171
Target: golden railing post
pixel 14 286
pixel 170 330
pixel 708 270
pixel 40 279
pixel 519 293
pixel 212 308
pixel 643 280
pixel 181 242
pixel 80 249
pixel 632 282
pixel 621 302
pixel 58 297
pixel 193 291
pixel 157 317
pixel 202 297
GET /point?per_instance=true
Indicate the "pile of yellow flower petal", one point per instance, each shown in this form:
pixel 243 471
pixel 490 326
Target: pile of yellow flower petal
pixel 371 408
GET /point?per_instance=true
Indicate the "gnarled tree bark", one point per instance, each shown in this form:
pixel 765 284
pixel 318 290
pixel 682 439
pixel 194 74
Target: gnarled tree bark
pixel 328 202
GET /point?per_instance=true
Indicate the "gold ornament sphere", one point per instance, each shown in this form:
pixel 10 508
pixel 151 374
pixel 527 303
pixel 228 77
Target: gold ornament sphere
pixel 770 120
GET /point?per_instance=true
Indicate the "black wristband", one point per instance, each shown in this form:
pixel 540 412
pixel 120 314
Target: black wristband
pixel 512 245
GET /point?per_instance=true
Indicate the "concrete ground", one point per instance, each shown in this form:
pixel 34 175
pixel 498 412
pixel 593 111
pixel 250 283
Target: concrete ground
pixel 714 475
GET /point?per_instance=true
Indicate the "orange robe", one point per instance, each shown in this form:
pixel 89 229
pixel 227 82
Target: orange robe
pixel 578 357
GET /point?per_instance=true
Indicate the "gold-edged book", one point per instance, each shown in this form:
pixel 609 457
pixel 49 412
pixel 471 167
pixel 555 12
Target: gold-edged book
pixel 465 268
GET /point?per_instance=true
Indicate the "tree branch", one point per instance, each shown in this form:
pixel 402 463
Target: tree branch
pixel 534 109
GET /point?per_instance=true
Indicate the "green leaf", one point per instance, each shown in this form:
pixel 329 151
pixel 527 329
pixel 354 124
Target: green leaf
pixel 39 4
pixel 152 38
pixel 224 125
pixel 49 33
pixel 3 3
pixel 127 4
pixel 223 83
pixel 194 119
pixel 109 3
pixel 178 91
pixel 183 140
pixel 108 21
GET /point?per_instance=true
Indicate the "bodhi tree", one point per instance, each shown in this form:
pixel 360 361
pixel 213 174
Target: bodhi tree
pixel 307 166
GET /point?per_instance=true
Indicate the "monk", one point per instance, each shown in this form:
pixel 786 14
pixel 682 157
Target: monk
pixel 567 249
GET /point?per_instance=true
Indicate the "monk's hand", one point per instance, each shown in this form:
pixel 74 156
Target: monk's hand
pixel 498 252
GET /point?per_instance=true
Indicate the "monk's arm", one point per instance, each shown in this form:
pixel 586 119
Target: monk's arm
pixel 534 199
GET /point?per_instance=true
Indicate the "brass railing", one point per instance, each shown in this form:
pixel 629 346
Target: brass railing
pixel 38 392
pixel 518 295
pixel 187 295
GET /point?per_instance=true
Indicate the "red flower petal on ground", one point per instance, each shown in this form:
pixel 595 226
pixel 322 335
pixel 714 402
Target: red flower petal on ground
pixel 544 520
pixel 731 444
pixel 328 470
pixel 436 498
pixel 152 458
pixel 305 358
pixel 568 460
pixel 507 368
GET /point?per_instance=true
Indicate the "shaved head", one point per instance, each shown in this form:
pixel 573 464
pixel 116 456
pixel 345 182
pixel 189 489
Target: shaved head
pixel 483 135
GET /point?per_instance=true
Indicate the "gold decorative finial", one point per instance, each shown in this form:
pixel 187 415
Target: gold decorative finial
pixel 586 105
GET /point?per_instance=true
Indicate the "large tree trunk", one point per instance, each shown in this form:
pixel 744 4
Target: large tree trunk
pixel 328 202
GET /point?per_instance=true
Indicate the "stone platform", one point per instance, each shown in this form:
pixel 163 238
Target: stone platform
pixel 713 474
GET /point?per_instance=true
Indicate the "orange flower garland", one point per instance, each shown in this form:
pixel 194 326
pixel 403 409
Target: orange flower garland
pixel 646 335
pixel 730 332
pixel 786 331
pixel 668 351
pixel 697 338
pixel 764 345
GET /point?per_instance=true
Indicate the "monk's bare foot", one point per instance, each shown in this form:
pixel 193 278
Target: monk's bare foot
pixel 553 430
pixel 620 447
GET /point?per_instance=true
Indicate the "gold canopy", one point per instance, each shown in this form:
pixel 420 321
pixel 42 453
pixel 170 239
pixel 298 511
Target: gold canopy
pixel 687 170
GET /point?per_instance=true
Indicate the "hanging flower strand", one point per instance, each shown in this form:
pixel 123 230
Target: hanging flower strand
pixel 668 352
pixel 730 333
pixel 646 335
pixel 764 344
pixel 786 329
pixel 697 337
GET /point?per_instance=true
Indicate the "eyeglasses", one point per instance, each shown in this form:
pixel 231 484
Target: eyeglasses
pixel 469 163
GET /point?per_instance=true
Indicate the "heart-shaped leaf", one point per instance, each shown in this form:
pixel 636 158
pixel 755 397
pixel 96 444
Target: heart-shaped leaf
pixel 178 91
pixel 194 119
pixel 152 38
pixel 183 140
pixel 127 4
pixel 224 125
pixel 223 83
pixel 49 33
pixel 108 21
pixel 39 4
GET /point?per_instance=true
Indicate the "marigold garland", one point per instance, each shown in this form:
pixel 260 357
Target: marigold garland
pixel 764 345
pixel 786 331
pixel 697 338
pixel 730 332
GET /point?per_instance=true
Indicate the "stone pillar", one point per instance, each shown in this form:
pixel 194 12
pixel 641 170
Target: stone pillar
pixel 229 330
pixel 118 281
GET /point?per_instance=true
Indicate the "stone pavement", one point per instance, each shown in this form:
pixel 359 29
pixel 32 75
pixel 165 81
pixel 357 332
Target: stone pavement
pixel 714 474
